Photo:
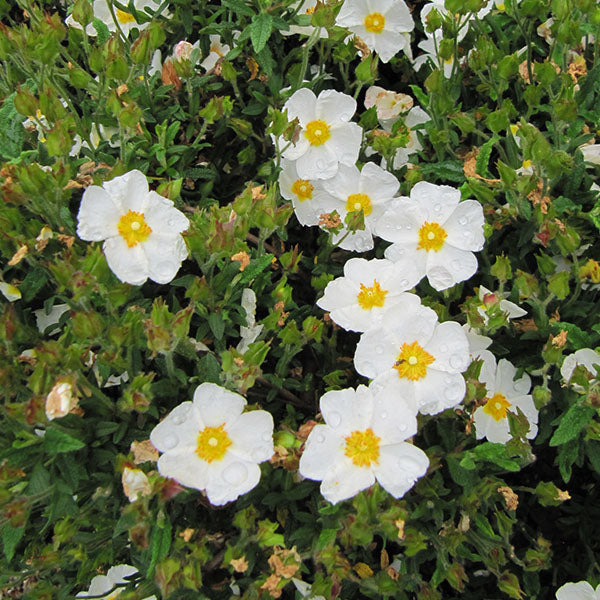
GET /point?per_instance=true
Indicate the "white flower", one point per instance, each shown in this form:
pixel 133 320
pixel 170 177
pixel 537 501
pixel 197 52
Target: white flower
pixel 305 195
pixel 210 444
pixel 437 231
pixel 358 300
pixel 217 50
pixel 104 584
pixel 156 64
pixel 9 291
pixel 327 137
pixel 389 105
pixel 183 50
pixel 510 309
pixel 504 395
pixel 135 483
pixel 60 400
pixel 478 344
pixel 363 440
pixel 382 24
pixel 251 331
pixel 428 46
pixel 585 356
pixel 591 153
pixel 350 190
pixel 125 20
pixel 416 116
pixel 98 133
pixel 464 20
pixel 305 8
pixel 581 590
pixel 415 356
pixel 141 229
pixel 49 321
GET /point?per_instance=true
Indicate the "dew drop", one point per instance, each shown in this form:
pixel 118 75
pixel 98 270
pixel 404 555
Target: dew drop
pixel 402 427
pixel 179 418
pixel 408 227
pixel 437 207
pixel 235 474
pixel 321 164
pixel 320 438
pixel 384 415
pixel 409 465
pixel 404 283
pixel 463 221
pixel 266 436
pixel 171 441
pixel 457 362
pixel 334 419
pixel 379 349
pixel 399 227
pixel 171 222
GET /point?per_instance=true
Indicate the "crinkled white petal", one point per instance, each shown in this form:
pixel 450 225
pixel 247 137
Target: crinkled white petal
pixel 130 190
pixel 399 466
pixel 252 436
pixel 449 266
pixel 345 481
pixel 465 226
pixel 585 356
pixel 317 162
pixel 322 450
pixel 345 142
pixel 184 467
pixel 164 254
pixel 394 417
pixel 486 426
pixel 332 106
pixel 581 590
pixel 178 430
pixel 437 202
pixel 377 183
pixel 99 214
pixel 347 410
pixel 450 348
pixel 302 104
pixel 505 383
pixel 162 216
pixel 217 405
pixel 229 478
pixel 130 265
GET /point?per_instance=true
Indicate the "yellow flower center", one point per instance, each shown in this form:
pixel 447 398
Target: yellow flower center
pixel 368 297
pixel 362 447
pixel 317 132
pixel 124 17
pixel 526 164
pixel 310 10
pixel 496 406
pixel 216 49
pixel 374 22
pixel 501 6
pixel 412 362
pixel 303 189
pixel 213 443
pixel 431 237
pixel 133 228
pixel 356 202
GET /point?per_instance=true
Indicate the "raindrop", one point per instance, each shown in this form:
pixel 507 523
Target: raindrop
pixel 235 474
pixel 399 227
pixel 404 283
pixel 321 164
pixel 334 419
pixel 443 348
pixel 453 393
pixel 463 221
pixel 384 415
pixel 171 441
pixel 379 349
pixel 266 436
pixel 457 362
pixel 402 427
pixel 410 465
pixel 320 438
pixel 171 222
pixel 437 207
pixel 408 227
pixel 179 418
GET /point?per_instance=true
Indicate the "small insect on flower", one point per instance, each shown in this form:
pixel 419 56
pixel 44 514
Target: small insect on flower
pixel 141 229
pixel 211 444
pixel 363 440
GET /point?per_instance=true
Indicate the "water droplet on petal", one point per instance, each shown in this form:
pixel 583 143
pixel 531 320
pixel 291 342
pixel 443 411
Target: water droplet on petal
pixel 384 415
pixel 457 362
pixel 437 207
pixel 463 221
pixel 267 437
pixel 171 222
pixel 379 349
pixel 408 226
pixel 235 474
pixel 404 283
pixel 258 454
pixel 179 418
pixel 320 438
pixel 170 441
pixel 402 427
pixel 409 465
pixel 334 419
pixel 456 264
pixel 321 164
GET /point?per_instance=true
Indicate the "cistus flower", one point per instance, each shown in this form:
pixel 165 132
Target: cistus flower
pixel 437 231
pixel 384 25
pixel 415 357
pixel 327 137
pixel 363 440
pixel 504 395
pixel 141 229
pixel 585 357
pixel 388 104
pixel 135 483
pixel 210 444
pixel 581 590
pixel 216 51
pixel 358 300
pixel 111 584
pixel 369 191
pixel 60 401
pixel 305 8
pixel 510 309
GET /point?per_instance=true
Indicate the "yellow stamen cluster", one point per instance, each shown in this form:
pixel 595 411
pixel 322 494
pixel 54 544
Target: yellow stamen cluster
pixel 412 362
pixel 431 237
pixel 212 443
pixel 302 189
pixel 133 228
pixel 356 202
pixel 369 297
pixel 317 132
pixel 362 447
pixel 124 17
pixel 497 407
pixel 374 22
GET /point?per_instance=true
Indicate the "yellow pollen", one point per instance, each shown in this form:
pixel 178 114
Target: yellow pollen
pixel 317 132
pixel 526 164
pixel 303 189
pixel 497 406
pixel 133 228
pixel 412 362
pixel 212 443
pixel 124 17
pixel 431 237
pixel 216 49
pixel 362 447
pixel 514 129
pixel 374 22
pixel 310 10
pixel 356 202
pixel 38 114
pixel 369 297
pixel 501 6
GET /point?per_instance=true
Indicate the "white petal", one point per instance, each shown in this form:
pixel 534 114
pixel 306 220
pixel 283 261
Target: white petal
pixel 401 222
pixel 377 183
pixel 527 407
pixel 345 182
pixel 356 241
pixel 130 265
pixel 164 254
pixel 352 13
pixel 505 383
pixel 346 481
pixel 449 266
pixel 437 201
pixel 400 465
pixel 162 216
pixel 512 310
pixel 465 226
pixel 347 410
pixel 100 584
pixel 130 190
pixel 345 141
pixel 387 44
pixel 410 321
pixel 178 430
pixel 217 405
pixel 450 347
pixel 119 573
pixel 416 116
pixel 322 450
pixel 302 104
pixel 376 353
pixel 487 375
pixel 438 391
pixel 398 17
pixel 334 106
pixel 98 215
pixel 252 436
pixel 185 468
pixel 318 162
pixel 585 356
pixel 230 478
pixel 294 151
pixel 394 418
pixel 486 426
pixel 581 590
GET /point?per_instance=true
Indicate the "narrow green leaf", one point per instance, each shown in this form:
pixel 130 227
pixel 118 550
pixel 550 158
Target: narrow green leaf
pixel 57 441
pixel 260 30
pixel 572 423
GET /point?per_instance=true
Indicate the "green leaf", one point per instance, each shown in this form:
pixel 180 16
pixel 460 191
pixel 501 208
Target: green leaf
pixel 11 536
pixel 57 441
pixel 217 325
pixel 451 170
pixel 260 30
pixel 558 284
pixel 483 158
pixel 572 423
pixel 101 30
pixel 256 267
pixel 161 542
pixel 420 95
pixel 34 281
pixel 12 132
pixel 326 537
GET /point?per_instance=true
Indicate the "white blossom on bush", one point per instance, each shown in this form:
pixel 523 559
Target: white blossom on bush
pixel 358 300
pixel 384 25
pixel 306 7
pixel 510 309
pixel 585 357
pixel 437 231
pixel 504 395
pixel 211 444
pixel 581 590
pixel 363 440
pixel 105 584
pixel 327 137
pixel 415 356
pixel 389 105
pixel 217 50
pixel 141 229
